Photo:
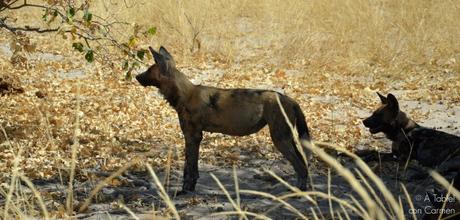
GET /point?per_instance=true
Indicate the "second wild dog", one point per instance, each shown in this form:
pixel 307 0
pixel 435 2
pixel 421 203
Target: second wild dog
pixel 236 112
pixel 431 148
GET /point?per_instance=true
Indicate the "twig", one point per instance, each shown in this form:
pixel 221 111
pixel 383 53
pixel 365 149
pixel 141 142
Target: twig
pixel 25 28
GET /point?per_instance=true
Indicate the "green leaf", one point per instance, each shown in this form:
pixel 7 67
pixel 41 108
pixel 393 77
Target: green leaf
pixel 45 16
pixel 125 65
pixel 151 31
pixel 129 76
pixel 78 46
pixel 132 42
pixel 70 12
pixel 141 53
pixel 87 16
pixel 89 56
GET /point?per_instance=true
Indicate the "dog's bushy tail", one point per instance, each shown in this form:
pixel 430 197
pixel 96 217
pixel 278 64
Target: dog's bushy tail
pixel 304 134
pixel 301 124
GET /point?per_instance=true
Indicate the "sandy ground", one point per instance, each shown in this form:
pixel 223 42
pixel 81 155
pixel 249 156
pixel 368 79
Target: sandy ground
pixel 139 193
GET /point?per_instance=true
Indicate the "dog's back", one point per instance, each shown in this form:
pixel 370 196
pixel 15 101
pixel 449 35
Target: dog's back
pixel 434 148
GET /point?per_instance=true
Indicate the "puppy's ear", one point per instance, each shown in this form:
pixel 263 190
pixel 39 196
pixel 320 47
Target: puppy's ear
pixel 393 103
pixel 382 98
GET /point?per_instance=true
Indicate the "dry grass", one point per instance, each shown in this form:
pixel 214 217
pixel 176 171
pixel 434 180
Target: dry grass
pixel 309 48
pixel 339 35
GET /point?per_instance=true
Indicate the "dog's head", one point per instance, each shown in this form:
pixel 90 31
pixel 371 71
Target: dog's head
pixel 384 119
pixel 159 73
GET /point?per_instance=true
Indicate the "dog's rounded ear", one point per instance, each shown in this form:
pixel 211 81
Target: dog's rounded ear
pixel 393 102
pixel 382 98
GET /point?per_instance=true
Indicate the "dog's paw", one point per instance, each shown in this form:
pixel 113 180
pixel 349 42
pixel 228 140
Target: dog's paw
pixel 183 192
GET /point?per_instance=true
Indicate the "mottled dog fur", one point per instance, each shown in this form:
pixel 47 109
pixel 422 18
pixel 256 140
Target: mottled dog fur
pixel 431 148
pixel 237 112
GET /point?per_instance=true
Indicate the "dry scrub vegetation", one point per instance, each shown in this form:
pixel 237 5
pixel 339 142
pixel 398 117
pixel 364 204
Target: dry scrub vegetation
pixel 331 56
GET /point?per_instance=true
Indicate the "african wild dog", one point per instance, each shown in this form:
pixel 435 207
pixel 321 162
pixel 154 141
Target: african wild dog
pixel 237 112
pixel 431 148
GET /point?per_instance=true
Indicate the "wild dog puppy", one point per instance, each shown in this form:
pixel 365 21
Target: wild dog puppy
pixel 431 148
pixel 236 112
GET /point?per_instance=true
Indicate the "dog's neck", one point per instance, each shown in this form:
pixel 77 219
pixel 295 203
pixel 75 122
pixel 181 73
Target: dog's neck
pixel 403 124
pixel 177 90
pixel 410 125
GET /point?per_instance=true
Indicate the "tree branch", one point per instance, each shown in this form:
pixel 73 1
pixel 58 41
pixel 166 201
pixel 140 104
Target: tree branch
pixel 25 28
pixel 97 30
pixel 25 4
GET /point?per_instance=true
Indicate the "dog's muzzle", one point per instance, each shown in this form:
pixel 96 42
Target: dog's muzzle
pixel 141 79
pixel 373 127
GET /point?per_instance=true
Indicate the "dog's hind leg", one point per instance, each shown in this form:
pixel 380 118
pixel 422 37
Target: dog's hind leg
pixel 282 136
pixel 282 139
pixel 286 148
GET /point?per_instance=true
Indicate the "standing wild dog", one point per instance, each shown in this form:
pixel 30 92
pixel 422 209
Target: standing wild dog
pixel 431 148
pixel 237 112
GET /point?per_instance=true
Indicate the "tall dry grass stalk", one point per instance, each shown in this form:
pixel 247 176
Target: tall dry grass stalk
pixel 14 175
pixel 73 159
pixel 129 211
pixel 37 195
pixel 162 192
pixel 235 205
pixel 409 200
pixel 277 199
pixel 84 206
pixel 441 180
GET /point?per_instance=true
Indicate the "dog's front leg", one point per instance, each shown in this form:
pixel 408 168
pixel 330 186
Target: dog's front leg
pixel 193 136
pixel 192 146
